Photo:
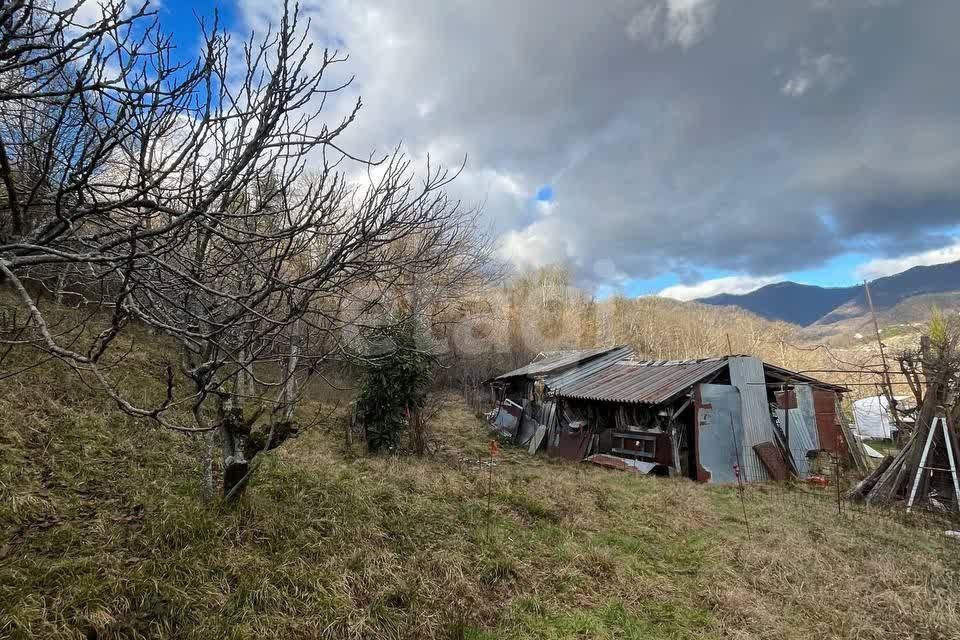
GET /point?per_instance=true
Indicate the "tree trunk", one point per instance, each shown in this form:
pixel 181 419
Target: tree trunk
pixel 419 434
pixel 290 384
pixel 233 433
pixel 206 466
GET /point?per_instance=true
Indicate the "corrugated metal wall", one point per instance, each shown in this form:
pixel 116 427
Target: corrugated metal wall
pixel 800 442
pixel 746 374
pixel 805 403
pixel 719 432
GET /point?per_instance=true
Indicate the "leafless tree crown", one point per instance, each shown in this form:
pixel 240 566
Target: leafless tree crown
pixel 204 200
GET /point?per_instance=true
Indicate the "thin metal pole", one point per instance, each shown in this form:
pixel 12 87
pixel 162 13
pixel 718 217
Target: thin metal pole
pixel 891 403
pixel 489 493
pixel 737 471
pixel 836 481
pixel 786 417
pixel 923 463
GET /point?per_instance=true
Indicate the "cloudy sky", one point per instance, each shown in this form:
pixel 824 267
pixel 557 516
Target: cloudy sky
pixel 679 146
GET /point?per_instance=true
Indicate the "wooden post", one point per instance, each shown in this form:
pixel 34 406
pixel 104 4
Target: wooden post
pixel 953 463
pixel 923 462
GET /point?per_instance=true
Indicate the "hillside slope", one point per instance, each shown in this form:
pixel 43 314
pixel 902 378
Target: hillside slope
pixel 907 317
pixel 801 304
pixel 105 537
pixel 822 306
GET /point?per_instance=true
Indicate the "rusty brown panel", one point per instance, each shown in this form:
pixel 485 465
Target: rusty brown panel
pixel 828 423
pixel 664 451
pixel 772 460
pixel 791 398
pixel 573 445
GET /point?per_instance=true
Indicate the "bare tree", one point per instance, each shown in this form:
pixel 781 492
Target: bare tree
pixel 180 198
pixel 246 292
pixel 109 149
pixel 932 373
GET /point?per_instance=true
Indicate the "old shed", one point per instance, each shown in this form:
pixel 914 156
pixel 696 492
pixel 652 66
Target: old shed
pixel 707 419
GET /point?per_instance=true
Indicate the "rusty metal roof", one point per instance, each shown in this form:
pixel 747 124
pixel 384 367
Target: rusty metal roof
pixel 579 361
pixel 610 375
pixel 792 376
pixel 648 382
pixel 571 375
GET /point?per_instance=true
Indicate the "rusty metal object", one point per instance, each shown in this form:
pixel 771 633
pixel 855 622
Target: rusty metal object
pixel 772 459
pixel 621 464
pixel 828 422
pixel 573 442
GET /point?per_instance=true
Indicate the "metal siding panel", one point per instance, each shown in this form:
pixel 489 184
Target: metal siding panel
pixel 800 442
pixel 719 431
pixel 806 406
pixel 746 374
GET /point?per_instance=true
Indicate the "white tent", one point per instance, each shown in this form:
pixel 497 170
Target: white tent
pixel 872 418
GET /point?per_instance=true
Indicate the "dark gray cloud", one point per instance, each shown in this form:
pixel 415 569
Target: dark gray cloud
pixel 758 136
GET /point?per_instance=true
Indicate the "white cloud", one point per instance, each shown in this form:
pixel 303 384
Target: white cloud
pixel 664 166
pixel 89 12
pixel 425 108
pixel 546 207
pixel 672 22
pixel 889 266
pixel 828 71
pixel 707 288
pixel 547 241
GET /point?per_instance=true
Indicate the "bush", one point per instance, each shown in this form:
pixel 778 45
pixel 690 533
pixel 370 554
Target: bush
pixel 395 384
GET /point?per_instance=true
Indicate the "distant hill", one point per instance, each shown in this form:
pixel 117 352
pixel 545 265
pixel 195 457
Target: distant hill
pixel 845 307
pixel 907 317
pixel 801 304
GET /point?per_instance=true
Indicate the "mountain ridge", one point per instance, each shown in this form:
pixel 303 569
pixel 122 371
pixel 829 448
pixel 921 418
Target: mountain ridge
pixel 815 306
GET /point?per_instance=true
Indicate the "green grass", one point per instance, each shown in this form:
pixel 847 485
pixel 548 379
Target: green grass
pixel 105 536
pixel 885 447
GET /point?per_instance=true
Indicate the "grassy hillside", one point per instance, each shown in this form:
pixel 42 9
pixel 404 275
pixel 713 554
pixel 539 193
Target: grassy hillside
pixel 104 536
pixel 907 317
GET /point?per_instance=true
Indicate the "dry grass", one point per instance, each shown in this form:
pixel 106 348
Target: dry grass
pixel 105 537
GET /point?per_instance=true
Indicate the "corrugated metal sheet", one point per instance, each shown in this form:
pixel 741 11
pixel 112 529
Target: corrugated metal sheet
pixel 800 442
pixel 772 460
pixel 792 376
pixel 746 374
pixel 805 404
pixel 719 432
pixel 572 375
pixel 565 360
pixel 650 382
